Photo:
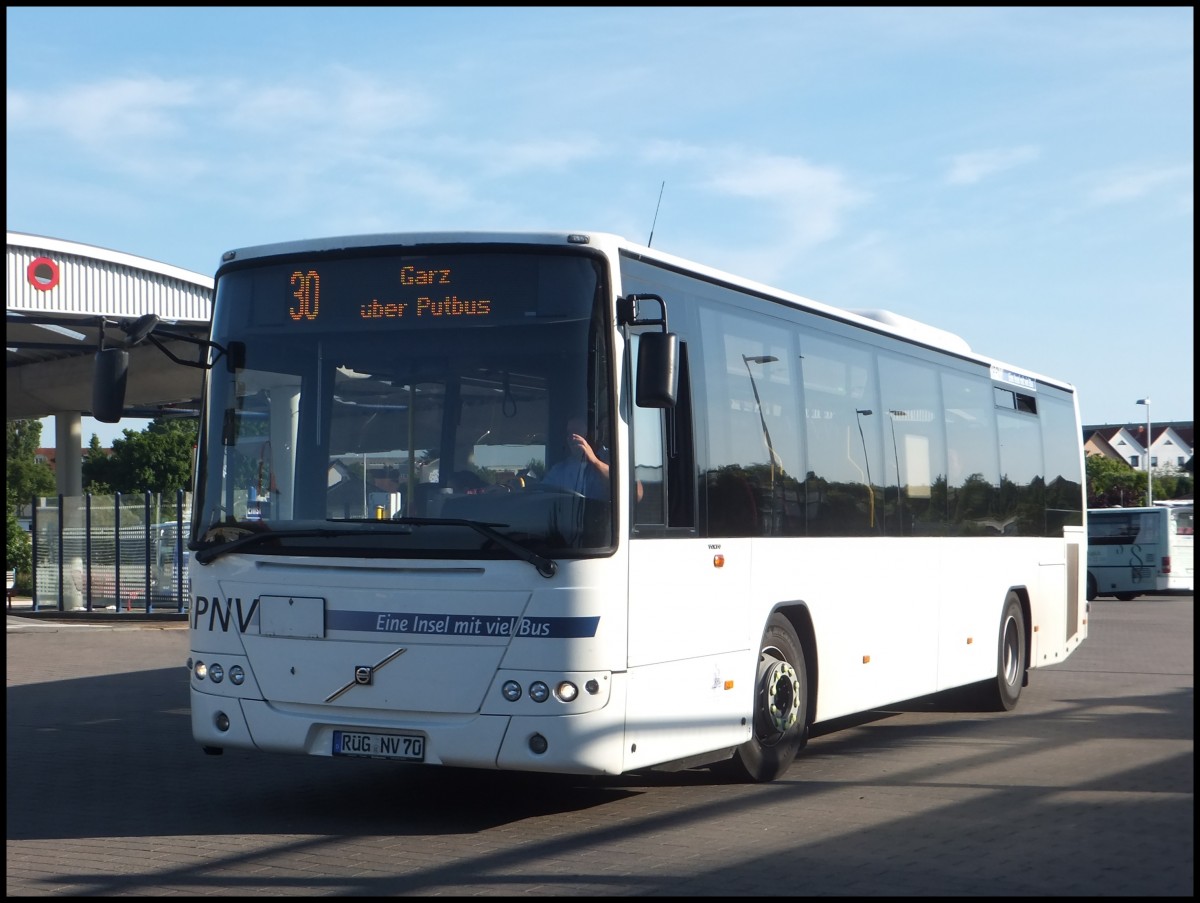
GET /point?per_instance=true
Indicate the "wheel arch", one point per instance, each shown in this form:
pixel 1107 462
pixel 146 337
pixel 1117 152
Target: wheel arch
pixel 1022 593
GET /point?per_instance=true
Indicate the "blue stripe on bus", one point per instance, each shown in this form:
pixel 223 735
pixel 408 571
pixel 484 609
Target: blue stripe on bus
pixel 460 625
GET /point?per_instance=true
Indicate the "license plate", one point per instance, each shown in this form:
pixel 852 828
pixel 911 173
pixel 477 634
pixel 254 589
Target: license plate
pixel 409 747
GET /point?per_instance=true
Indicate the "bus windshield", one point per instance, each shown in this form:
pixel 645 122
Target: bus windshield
pixel 403 404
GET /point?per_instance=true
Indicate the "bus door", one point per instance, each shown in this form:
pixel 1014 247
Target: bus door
pixel 687 630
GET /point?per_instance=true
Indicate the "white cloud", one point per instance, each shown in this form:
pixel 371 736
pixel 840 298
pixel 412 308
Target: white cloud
pixel 809 201
pixel 775 209
pixel 342 102
pixel 1132 185
pixel 525 156
pixel 968 169
pixel 113 111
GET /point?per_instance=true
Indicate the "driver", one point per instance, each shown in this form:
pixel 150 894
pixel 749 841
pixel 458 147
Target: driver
pixel 584 468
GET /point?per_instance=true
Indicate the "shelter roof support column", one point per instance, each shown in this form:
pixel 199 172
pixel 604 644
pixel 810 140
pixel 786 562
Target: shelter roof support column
pixel 68 445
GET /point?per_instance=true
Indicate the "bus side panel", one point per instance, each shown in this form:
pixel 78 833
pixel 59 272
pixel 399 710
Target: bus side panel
pixel 693 643
pixel 895 618
pixel 874 607
pixel 936 631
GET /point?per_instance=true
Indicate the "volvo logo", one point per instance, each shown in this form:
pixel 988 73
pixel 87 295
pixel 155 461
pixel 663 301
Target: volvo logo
pixel 364 675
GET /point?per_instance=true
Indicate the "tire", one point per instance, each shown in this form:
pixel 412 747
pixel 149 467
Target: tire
pixel 1126 597
pixel 1092 589
pixel 1002 693
pixel 780 727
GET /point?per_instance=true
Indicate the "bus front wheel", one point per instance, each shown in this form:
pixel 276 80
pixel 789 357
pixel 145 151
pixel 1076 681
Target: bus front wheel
pixel 780 705
pixel 1000 694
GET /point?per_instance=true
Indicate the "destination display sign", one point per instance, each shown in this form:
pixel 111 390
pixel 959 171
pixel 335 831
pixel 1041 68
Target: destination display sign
pixel 413 291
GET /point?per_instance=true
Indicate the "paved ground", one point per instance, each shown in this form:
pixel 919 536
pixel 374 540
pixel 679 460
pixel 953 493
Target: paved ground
pixel 1087 789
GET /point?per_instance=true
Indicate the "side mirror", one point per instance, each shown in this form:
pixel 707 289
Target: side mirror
pixel 657 370
pixel 108 384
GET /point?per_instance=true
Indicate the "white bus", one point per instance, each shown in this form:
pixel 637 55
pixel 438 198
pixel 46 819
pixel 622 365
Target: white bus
pixel 776 513
pixel 1137 551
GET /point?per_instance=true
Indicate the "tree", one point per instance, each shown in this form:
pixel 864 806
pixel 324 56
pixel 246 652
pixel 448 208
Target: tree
pixel 158 459
pixel 24 475
pixel 1174 485
pixel 96 468
pixel 1112 483
pixel 18 554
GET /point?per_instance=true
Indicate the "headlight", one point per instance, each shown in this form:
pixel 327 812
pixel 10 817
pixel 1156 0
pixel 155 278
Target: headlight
pixel 566 691
pixel 538 691
pixel 511 690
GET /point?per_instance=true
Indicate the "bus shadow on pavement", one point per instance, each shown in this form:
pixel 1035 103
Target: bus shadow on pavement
pixel 113 756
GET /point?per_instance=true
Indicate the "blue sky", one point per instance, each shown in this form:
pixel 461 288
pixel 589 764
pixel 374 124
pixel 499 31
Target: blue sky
pixel 1020 176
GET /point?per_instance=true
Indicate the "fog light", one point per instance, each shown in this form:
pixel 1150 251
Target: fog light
pixel 201 670
pixel 216 673
pixel 538 691
pixel 511 690
pixel 237 676
pixel 538 744
pixel 566 691
pixel 222 722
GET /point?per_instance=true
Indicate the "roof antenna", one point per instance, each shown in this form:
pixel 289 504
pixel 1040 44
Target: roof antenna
pixel 659 204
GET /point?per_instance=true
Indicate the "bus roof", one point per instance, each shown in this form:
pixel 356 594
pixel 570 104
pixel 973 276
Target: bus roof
pixel 876 320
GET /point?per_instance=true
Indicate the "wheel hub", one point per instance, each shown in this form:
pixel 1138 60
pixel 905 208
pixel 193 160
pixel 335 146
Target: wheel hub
pixel 782 688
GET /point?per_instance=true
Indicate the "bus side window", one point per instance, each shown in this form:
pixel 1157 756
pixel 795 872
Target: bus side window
pixel 681 460
pixel 649 465
pixel 914 437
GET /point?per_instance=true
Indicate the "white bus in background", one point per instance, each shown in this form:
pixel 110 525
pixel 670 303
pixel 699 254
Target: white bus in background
pixel 1139 551
pixel 778 513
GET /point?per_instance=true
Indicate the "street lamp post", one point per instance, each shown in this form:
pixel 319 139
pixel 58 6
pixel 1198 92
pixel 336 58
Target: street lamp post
pixel 1149 442
pixel 860 413
pixel 896 457
pixel 749 359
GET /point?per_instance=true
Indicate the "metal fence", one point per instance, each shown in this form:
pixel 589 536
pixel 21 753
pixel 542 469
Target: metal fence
pixel 111 553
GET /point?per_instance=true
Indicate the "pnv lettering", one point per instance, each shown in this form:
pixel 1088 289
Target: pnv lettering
pixel 221 612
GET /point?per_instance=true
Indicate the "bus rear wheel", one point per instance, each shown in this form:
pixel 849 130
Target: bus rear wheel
pixel 1001 693
pixel 780 705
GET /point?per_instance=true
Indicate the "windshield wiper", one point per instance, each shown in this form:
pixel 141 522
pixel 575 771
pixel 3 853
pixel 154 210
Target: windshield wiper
pixel 207 554
pixel 545 566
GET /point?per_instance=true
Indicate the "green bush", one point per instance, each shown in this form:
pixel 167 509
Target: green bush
pixel 19 554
